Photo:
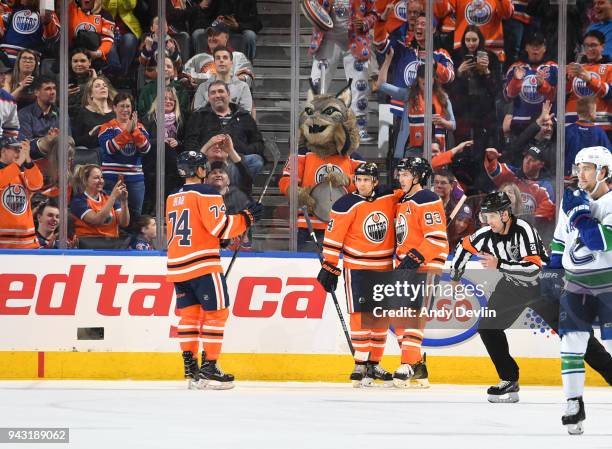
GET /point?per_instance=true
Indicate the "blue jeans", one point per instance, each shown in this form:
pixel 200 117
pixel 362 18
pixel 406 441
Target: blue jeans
pixel 250 43
pixel 254 163
pixel 136 191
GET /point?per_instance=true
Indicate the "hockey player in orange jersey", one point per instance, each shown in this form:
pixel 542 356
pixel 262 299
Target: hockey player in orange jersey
pixel 19 177
pixel 361 227
pixel 196 221
pixel 422 245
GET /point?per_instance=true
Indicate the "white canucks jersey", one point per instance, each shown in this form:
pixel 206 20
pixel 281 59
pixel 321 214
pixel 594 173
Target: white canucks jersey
pixel 587 270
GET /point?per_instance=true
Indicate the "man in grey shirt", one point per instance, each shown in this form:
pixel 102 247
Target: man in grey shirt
pixel 240 94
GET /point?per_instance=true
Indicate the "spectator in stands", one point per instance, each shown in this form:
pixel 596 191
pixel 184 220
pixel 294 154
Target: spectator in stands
pixel 222 117
pixel 146 233
pixel 443 183
pixel 488 16
pixel 234 197
pixel 394 22
pixel 441 159
pixel 174 126
pixel 127 31
pixel 178 15
pixel 514 194
pixel 539 134
pixel 241 17
pixel 9 119
pixel 537 191
pixel 19 177
pixel 464 224
pixel 411 129
pixel 514 30
pixel 592 77
pixel 97 214
pixel 96 109
pixel 93 29
pixel 201 66
pixel 220 148
pixel 476 88
pixel 148 93
pixel 583 133
pixel 123 141
pixel 21 82
pixel 603 14
pixel 47 218
pixel 148 50
pixel 52 170
pixel 529 83
pixel 27 28
pixel 6 6
pixel 40 121
pixel 200 17
pixel 349 42
pixel 240 94
pixel 80 72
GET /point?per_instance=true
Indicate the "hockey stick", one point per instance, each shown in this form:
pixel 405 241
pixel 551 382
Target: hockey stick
pixel 276 157
pixel 333 294
pixel 456 209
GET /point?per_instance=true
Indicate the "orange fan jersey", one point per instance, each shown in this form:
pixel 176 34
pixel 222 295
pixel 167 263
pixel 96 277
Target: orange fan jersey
pixel 81 204
pixel 598 86
pixel 195 222
pixel 311 171
pixel 420 223
pixel 16 220
pixel 362 230
pixel 487 15
pixel 396 18
pixel 102 24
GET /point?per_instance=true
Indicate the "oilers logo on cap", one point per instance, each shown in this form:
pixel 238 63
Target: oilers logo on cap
pixel 375 227
pixel 15 199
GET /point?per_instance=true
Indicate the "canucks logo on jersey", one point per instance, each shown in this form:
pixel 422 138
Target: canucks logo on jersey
pixel 375 227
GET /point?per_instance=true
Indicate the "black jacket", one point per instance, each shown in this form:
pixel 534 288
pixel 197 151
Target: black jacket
pixel 204 123
pixel 245 12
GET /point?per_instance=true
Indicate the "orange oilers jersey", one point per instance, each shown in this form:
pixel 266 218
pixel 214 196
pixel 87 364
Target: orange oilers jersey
pixel 444 12
pixel 420 223
pixel 396 18
pixel 196 220
pixel 81 204
pixel 362 230
pixel 311 171
pixel 487 15
pixel 16 220
pixel 598 86
pixel 102 24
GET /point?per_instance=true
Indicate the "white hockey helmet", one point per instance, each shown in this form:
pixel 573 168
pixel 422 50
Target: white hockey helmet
pixel 598 156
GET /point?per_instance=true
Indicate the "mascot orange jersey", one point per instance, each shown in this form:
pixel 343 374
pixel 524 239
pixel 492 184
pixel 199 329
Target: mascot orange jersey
pixel 421 224
pixel 312 170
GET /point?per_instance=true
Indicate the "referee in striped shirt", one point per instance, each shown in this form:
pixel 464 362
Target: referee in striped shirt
pixel 514 247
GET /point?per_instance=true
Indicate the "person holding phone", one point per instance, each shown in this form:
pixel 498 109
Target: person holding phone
pixel 123 141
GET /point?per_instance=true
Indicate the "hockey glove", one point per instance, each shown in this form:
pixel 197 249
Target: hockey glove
pixel 328 277
pixel 412 261
pixel 576 205
pixel 252 213
pixel 551 284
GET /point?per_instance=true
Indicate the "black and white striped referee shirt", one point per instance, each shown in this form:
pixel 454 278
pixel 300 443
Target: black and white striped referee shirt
pixel 520 252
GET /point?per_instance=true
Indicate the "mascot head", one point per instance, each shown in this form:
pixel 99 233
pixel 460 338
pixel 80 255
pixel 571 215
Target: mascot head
pixel 327 123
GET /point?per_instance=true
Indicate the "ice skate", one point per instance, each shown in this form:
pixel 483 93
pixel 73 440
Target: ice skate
pixel 412 375
pixel 191 370
pixel 359 376
pixel 420 378
pixel 402 375
pixel 506 391
pixel 376 372
pixel 213 378
pixel 573 416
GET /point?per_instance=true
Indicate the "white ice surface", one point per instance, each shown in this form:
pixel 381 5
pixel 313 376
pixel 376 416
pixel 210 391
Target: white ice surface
pixel 260 415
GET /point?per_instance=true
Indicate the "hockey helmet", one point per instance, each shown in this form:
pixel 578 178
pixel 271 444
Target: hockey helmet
pixel 367 169
pixel 598 156
pixel 495 202
pixel 417 166
pixel 188 162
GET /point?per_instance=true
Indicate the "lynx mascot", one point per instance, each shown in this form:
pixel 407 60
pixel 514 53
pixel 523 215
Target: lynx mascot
pixel 328 138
